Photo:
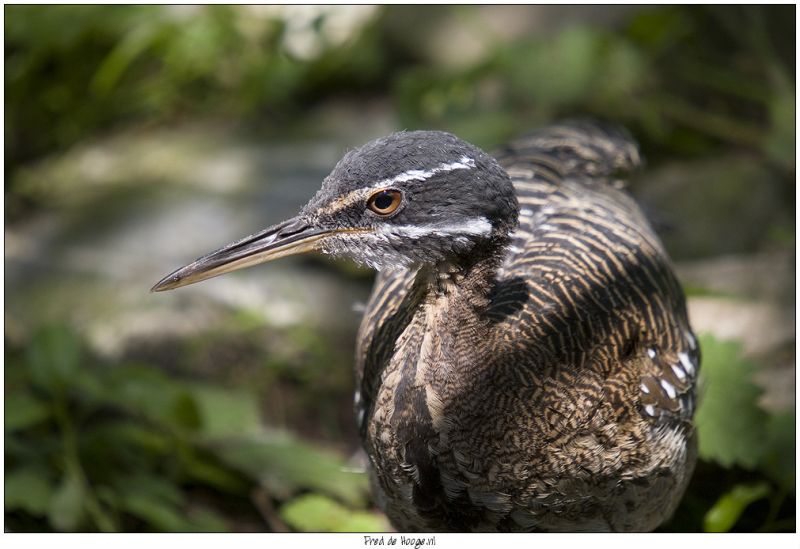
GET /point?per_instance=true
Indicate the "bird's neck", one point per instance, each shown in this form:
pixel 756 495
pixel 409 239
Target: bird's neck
pixel 448 323
pixel 468 278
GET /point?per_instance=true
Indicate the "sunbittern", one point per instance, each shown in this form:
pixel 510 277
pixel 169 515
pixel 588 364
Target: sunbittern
pixel 525 361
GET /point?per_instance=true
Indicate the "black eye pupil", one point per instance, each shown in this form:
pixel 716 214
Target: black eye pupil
pixel 383 201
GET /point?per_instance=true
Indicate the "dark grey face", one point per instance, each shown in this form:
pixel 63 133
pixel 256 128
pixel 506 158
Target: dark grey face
pixel 447 194
pixel 407 199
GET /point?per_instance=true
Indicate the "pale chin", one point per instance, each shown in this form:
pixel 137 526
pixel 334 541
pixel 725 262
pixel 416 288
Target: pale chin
pixel 372 250
pixel 378 251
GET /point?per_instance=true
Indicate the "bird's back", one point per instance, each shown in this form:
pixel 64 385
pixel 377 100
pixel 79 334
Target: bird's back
pixel 582 376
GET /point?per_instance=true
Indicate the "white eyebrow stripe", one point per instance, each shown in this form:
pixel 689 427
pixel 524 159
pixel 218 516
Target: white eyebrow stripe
pixel 478 226
pixel 465 163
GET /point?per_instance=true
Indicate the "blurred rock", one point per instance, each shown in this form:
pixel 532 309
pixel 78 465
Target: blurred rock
pixel 310 29
pixel 716 206
pixel 126 210
pixel 208 157
pixel 760 326
pixel 763 276
pixel 778 382
pixel 750 299
pixel 462 39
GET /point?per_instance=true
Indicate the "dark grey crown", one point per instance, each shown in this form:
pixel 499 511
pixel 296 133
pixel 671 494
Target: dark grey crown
pixel 453 196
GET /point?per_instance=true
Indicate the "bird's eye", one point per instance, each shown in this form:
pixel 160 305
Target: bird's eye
pixel 385 202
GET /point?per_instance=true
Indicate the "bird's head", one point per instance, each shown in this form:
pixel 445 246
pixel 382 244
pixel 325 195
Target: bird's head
pixel 412 198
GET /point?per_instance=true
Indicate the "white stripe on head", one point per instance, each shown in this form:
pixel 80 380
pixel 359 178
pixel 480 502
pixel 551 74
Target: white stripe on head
pixel 465 163
pixel 477 226
pixel 357 195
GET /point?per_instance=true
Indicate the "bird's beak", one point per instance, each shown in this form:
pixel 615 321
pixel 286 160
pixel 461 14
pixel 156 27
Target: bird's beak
pixel 295 236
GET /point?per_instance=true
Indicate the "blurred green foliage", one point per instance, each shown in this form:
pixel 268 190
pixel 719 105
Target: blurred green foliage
pixel 74 70
pixel 685 79
pixel 99 446
pixel 318 513
pixel 738 435
pixel 126 447
pixel 121 447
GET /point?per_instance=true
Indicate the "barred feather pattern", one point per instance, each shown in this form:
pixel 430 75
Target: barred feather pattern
pixel 551 388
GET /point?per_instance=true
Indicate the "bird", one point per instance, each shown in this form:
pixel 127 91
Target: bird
pixel 525 362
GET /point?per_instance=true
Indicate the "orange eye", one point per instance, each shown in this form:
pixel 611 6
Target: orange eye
pixel 385 202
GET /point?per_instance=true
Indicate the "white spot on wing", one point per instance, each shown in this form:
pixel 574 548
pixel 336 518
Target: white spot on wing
pixel 678 371
pixel 668 388
pixel 651 353
pixel 687 363
pixel 692 340
pixel 360 417
pixel 650 410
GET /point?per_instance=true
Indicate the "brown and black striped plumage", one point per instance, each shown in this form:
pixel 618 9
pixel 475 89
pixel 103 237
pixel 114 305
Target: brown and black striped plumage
pixel 548 386
pixel 525 362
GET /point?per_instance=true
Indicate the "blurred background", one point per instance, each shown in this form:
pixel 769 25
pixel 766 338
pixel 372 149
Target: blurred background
pixel 138 138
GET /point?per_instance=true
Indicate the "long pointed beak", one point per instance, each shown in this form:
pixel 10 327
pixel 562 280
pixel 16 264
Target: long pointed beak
pixel 295 236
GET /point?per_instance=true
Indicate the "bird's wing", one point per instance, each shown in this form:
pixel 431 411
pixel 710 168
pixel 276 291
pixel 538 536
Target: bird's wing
pixel 596 152
pixel 585 271
pixel 668 381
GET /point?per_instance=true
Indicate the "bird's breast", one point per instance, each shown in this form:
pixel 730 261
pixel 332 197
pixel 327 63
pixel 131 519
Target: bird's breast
pixel 409 400
pixel 411 416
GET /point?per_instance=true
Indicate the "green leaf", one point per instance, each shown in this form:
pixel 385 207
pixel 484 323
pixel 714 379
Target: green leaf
pixel 728 508
pixel 53 356
pixel 224 412
pixel 67 508
pixel 129 47
pixel 28 489
pixel 779 458
pixel 557 71
pixel 780 141
pixel 22 410
pixel 731 426
pixel 623 72
pixel 284 465
pixel 208 520
pixel 140 435
pixel 185 411
pixel 658 27
pixel 159 514
pixel 161 505
pixel 205 470
pixel 121 447
pixel 155 500
pixel 317 513
pixel 147 486
pixel 147 391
